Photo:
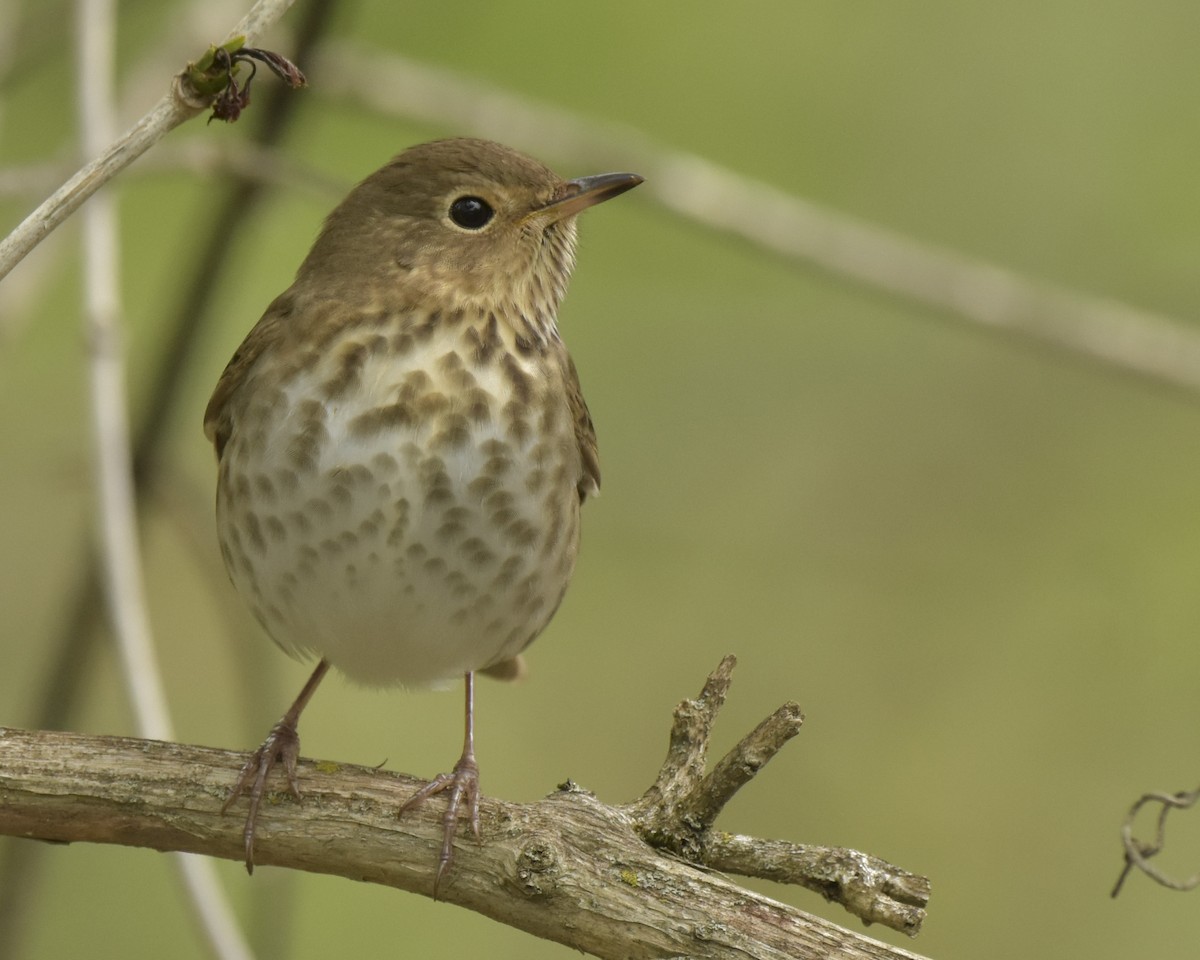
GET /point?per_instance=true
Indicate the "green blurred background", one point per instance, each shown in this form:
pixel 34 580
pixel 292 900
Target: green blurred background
pixel 971 560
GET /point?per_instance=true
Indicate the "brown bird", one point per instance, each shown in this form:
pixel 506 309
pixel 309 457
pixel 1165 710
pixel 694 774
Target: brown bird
pixel 402 443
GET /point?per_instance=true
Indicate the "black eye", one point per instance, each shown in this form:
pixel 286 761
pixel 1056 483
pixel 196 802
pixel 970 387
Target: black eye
pixel 471 213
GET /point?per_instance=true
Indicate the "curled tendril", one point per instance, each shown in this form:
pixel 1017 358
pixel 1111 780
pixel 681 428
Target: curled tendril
pixel 1139 852
pixel 233 99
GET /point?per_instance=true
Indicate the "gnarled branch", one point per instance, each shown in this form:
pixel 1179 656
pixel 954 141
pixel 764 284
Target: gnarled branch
pixel 567 868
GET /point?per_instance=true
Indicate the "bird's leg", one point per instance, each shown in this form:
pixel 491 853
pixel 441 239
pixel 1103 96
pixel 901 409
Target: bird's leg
pixel 281 746
pixel 462 783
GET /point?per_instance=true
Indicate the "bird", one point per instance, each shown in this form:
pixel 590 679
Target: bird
pixel 403 446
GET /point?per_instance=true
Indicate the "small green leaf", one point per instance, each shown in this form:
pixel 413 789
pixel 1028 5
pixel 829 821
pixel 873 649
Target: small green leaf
pixel 208 75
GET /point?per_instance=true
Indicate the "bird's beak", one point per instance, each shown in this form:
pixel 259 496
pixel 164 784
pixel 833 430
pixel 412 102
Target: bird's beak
pixel 586 192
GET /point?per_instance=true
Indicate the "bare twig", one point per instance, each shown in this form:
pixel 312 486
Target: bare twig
pixel 1116 334
pixel 568 868
pixel 124 591
pixel 682 804
pixel 868 887
pixel 680 807
pixel 173 109
pixel 678 811
pixel 124 586
pixel 1138 853
pixel 740 764
pixel 683 769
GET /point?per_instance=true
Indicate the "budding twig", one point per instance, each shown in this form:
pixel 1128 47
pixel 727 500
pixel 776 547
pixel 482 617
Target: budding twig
pixel 177 106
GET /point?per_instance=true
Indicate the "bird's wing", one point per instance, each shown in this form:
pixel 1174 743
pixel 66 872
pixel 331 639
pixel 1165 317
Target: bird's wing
pixel 217 422
pixel 585 434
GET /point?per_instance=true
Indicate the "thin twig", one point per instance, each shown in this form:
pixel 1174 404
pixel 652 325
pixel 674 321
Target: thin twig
pixel 868 887
pixel 172 110
pixel 124 588
pixel 124 584
pixel 738 767
pixel 687 747
pixel 1158 347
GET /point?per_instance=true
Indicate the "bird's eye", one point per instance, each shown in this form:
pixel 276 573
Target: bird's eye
pixel 471 213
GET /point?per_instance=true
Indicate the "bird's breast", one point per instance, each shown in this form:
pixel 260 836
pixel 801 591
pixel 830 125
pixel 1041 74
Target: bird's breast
pixel 405 504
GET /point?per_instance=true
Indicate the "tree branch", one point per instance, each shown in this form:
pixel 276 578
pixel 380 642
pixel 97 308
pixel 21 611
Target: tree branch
pixel 568 868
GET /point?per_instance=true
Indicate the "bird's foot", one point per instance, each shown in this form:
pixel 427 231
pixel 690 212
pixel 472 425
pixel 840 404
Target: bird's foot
pixel 281 746
pixel 462 784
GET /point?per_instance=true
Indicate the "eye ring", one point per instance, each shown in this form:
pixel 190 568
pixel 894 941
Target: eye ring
pixel 471 213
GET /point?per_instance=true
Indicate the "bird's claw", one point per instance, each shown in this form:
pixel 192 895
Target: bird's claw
pixel 281 746
pixel 462 784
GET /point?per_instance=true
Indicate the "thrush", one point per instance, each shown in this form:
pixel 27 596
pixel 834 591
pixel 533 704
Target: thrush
pixel 402 444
